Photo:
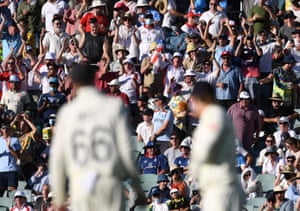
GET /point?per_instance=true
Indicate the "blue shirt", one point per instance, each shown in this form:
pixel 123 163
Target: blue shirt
pixel 219 51
pixel 164 194
pixel 232 78
pixel 181 161
pixel 159 117
pixel 153 165
pixel 56 100
pixel 292 193
pixel 10 41
pixel 7 161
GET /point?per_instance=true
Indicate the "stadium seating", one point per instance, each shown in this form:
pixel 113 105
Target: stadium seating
pixel 267 181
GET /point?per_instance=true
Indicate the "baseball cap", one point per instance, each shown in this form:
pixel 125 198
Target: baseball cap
pixel 174 190
pixel 50 56
pixel 187 142
pixel 177 54
pixel 20 193
pixel 127 60
pixel 226 54
pixel 283 119
pixel 244 95
pixel 159 96
pixel 14 78
pixel 148 112
pixel 121 5
pixel 150 144
pixel 189 73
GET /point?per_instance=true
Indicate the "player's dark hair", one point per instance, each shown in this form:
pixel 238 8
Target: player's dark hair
pixel 204 92
pixel 83 74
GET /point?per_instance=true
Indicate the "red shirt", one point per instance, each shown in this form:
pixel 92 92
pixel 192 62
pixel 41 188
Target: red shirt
pixel 102 20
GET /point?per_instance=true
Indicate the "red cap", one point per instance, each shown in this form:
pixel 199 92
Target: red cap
pixel 226 53
pixel 191 14
pixel 121 5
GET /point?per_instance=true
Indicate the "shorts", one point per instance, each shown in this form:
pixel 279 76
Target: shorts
pixel 8 179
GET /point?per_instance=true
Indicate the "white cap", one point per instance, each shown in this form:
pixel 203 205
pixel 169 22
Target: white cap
pixel 127 60
pixel 142 3
pixel 98 3
pixel 244 95
pixel 284 119
pixel 50 55
pixel 174 190
pixel 187 142
pixel 114 82
pixel 20 193
pixel 189 73
pixel 177 54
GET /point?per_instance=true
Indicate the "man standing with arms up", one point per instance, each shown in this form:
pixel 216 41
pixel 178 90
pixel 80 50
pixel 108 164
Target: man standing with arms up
pixel 213 153
pixel 92 148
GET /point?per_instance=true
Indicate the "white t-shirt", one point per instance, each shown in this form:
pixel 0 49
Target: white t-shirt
pixel 127 85
pixel 216 18
pixel 145 131
pixel 147 36
pixel 168 17
pixel 49 10
pixel 54 42
pixel 127 40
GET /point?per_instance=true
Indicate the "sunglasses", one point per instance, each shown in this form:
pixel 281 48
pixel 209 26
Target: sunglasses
pixel 247 175
pixel 290 160
pixel 269 141
pixel 225 57
pixel 207 64
pixel 283 123
pixel 10 62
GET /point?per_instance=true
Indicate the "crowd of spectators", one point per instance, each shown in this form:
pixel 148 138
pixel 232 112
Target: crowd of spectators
pixel 150 54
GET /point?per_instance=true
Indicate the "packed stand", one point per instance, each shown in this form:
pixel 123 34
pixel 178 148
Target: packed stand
pixel 149 55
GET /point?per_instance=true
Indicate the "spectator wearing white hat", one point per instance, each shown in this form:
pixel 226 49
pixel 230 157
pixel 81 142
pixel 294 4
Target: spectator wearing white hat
pixel 284 127
pixel 130 82
pixel 177 201
pixel 20 202
pixel 114 90
pixel 184 160
pixel 174 74
pixel 189 79
pixel 98 11
pixel 245 119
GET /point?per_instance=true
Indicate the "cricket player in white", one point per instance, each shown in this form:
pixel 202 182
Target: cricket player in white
pixel 92 148
pixel 213 154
